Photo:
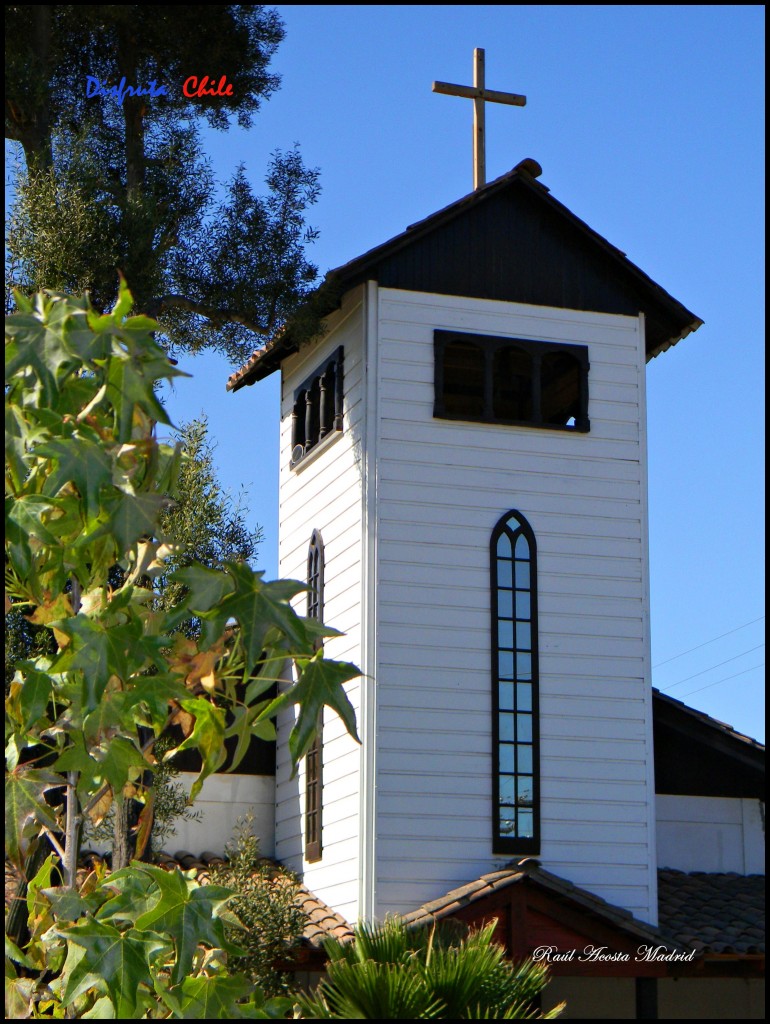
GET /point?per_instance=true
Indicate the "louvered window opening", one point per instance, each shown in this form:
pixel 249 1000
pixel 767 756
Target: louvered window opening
pixel 511 381
pixel 318 409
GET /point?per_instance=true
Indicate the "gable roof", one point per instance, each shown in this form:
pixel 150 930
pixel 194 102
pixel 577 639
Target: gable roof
pixel 696 755
pixel 510 240
pixel 564 898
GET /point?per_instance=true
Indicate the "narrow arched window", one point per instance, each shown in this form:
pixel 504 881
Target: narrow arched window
pixel 314 756
pixel 515 687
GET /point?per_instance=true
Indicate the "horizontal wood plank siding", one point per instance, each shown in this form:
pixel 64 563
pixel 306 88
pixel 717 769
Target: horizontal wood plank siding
pixel 442 486
pixel 325 494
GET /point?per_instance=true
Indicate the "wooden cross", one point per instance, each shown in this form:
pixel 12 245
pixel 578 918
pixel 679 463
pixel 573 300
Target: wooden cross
pixel 480 96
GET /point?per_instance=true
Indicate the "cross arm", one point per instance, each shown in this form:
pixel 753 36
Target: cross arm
pixel 473 93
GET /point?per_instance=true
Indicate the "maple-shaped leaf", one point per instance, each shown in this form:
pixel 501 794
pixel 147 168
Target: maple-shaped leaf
pixel 259 608
pixel 129 517
pixel 66 904
pixel 26 514
pixel 119 961
pixel 207 737
pixel 130 383
pixel 79 461
pixel 208 998
pixel 133 894
pixel 154 693
pixel 207 587
pixel 188 912
pixel 26 809
pixel 102 650
pixel 41 349
pixel 320 683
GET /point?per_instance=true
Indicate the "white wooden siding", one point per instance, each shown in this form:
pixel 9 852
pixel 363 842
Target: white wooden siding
pixel 441 487
pixel 325 494
pixel 711 833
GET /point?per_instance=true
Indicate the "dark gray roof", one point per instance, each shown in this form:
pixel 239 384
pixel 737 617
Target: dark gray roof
pixel 714 913
pixel 551 257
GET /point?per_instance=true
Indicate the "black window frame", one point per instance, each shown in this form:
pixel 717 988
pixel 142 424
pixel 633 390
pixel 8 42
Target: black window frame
pixel 317 410
pixel 489 345
pixel 514 525
pixel 314 757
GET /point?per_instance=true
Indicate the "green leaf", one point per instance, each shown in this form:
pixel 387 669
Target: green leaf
pixel 187 912
pixel 16 432
pixel 32 344
pixel 27 513
pixel 121 961
pixel 207 737
pixel 129 517
pixel 13 952
pixel 260 607
pixel 34 693
pixel 205 998
pixel 18 997
pixel 79 461
pixel 207 587
pixel 134 895
pixel 66 904
pixel 319 684
pixel 130 385
pixel 103 1009
pixel 124 301
pixel 26 809
pixel 102 650
pixel 244 728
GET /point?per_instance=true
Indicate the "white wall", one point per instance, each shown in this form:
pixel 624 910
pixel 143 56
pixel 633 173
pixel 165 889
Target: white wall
pixel 710 833
pixel 222 800
pixel 441 487
pixel 324 493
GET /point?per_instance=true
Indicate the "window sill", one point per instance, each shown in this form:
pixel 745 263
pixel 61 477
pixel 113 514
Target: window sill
pixel 316 450
pixel 583 428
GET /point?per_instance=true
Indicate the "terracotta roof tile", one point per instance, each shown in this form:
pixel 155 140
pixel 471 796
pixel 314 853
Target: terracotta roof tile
pixel 513 874
pixel 718 913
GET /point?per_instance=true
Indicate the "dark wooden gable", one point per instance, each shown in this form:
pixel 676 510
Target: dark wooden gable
pixel 696 755
pixel 512 241
pixel 519 246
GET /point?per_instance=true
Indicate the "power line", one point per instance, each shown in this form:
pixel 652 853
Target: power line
pixel 718 665
pixel 733 676
pixel 707 642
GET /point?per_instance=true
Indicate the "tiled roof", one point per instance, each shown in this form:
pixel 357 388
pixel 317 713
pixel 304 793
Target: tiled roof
pixel 321 922
pixel 715 913
pixel 530 869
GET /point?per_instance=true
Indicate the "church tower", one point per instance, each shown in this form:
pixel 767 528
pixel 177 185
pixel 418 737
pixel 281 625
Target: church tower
pixel 463 487
pixel 463 483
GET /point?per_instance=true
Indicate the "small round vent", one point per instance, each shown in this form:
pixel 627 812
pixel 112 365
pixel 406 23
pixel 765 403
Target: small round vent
pixel 297 452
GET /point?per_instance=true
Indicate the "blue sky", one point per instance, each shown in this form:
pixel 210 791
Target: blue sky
pixel 648 124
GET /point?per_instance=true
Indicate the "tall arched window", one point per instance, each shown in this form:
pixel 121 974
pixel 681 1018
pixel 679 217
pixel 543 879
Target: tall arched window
pixel 314 757
pixel 516 755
